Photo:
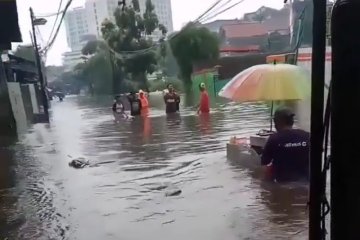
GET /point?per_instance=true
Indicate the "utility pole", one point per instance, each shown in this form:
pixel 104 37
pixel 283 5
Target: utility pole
pixel 38 62
pixel 317 120
pixel 345 130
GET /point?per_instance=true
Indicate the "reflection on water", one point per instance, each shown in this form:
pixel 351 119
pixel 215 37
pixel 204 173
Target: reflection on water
pixel 134 165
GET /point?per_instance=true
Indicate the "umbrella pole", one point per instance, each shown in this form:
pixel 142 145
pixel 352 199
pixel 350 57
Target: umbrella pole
pixel 271 115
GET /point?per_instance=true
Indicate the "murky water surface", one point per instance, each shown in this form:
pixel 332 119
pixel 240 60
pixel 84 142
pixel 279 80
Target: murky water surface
pixel 134 166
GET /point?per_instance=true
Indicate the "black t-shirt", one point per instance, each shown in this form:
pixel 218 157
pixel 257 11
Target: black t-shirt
pixel 135 105
pixel 288 150
pixel 172 101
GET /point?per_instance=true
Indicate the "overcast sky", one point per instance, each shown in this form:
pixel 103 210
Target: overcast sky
pixel 183 11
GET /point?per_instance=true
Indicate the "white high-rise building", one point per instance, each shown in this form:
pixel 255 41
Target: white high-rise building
pixel 87 20
pixel 97 11
pixel 76 25
pixel 162 10
pixel 84 21
pixel 71 59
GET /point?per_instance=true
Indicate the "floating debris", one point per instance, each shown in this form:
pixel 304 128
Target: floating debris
pixel 78 163
pixel 168 222
pixel 173 193
pixel 159 188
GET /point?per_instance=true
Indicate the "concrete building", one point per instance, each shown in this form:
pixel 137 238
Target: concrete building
pixel 76 25
pixel 216 25
pixel 84 23
pixel 99 10
pixel 71 59
pixel 88 19
pixel 244 36
pixel 10 32
pixel 163 11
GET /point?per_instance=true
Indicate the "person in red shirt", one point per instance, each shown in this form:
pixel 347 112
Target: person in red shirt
pixel 144 103
pixel 204 105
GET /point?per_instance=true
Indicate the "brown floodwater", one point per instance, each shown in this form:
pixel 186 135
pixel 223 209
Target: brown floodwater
pixel 134 165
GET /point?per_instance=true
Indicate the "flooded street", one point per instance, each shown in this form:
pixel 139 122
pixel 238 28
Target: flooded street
pixel 133 166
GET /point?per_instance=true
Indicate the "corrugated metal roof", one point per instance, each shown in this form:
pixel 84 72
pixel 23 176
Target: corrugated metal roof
pixel 244 30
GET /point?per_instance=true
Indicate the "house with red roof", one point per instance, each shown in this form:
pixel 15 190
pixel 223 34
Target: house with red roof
pixel 216 25
pixel 243 37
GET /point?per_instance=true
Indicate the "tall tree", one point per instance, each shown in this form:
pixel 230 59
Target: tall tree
pixel 303 10
pixel 167 62
pixel 96 73
pixel 93 46
pixel 193 44
pixel 131 33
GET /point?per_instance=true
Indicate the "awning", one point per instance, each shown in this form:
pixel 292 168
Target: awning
pixel 23 68
pixel 21 64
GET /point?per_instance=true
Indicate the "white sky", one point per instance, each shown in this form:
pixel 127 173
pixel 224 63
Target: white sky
pixel 183 12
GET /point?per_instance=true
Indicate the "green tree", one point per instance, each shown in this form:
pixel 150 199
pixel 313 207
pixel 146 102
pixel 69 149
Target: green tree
pixel 131 33
pixel 166 61
pixel 53 72
pixel 193 44
pixel 303 10
pixel 91 47
pixel 95 73
pixel 308 22
pixel 99 72
pixel 71 81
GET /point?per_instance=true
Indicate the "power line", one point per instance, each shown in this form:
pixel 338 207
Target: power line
pixel 130 54
pixel 47 48
pixel 215 9
pixel 57 16
pixel 207 11
pixel 49 14
pixel 135 53
pixel 226 9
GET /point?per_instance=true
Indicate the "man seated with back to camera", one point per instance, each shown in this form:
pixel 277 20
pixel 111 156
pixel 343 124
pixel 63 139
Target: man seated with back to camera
pixel 287 150
pixel 135 104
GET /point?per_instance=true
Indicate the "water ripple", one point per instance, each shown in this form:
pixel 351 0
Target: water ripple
pixel 134 165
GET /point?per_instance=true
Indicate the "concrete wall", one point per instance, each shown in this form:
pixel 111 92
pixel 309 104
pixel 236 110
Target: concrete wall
pixel 25 91
pixel 7 121
pixel 34 100
pixel 18 107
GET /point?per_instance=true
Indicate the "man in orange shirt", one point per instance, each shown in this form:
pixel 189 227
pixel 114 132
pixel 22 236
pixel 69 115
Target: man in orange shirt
pixel 204 105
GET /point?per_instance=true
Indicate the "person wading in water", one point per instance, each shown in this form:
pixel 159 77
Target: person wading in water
pixel 287 150
pixel 135 104
pixel 204 105
pixel 119 109
pixel 172 100
pixel 144 103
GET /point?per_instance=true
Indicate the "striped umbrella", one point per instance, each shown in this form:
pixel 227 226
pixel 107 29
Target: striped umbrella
pixel 268 82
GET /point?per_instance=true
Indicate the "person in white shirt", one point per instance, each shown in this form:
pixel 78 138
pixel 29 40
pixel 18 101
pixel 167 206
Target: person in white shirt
pixel 119 109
